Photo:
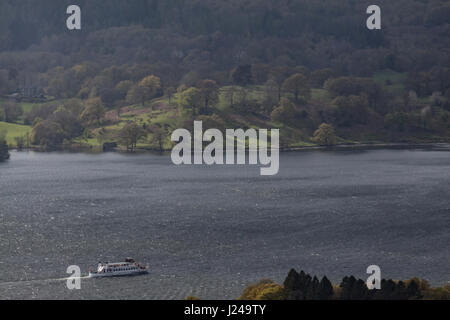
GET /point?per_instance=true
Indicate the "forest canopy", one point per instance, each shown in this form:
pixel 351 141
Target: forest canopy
pixel 209 36
pixel 311 68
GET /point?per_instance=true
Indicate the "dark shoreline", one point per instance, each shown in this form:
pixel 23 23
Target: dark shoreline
pixel 373 146
pixel 444 146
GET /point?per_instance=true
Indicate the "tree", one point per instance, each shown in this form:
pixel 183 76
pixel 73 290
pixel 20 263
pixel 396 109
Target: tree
pixel 170 92
pixel 4 154
pixel 353 86
pixel 271 91
pixel 210 94
pixel 69 123
pixel 229 93
pixel 263 290
pixel 159 135
pixel 400 292
pixel 192 99
pixel 130 135
pixel 397 121
pixel 325 289
pixel 74 106
pixel 47 133
pixel 260 73
pixel 243 105
pixel 318 78
pixel 298 85
pixel 278 75
pixel 346 286
pixel 387 291
pixel 11 111
pixel 296 285
pixel 93 112
pixel 151 86
pixel 242 75
pixel 124 87
pixel 292 284
pixel 311 290
pixel 359 291
pixel 440 79
pixel 110 96
pixel 325 135
pixel 350 110
pixel 147 89
pixel 136 95
pixel 413 289
pixel 442 293
pixel 20 142
pixel 285 113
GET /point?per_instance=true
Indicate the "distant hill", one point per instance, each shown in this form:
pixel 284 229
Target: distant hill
pixel 211 35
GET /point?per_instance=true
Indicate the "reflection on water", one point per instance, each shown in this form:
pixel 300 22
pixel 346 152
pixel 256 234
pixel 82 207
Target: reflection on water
pixel 208 231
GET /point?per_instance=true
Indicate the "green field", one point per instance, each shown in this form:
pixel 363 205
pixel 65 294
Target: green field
pixel 394 81
pixel 13 130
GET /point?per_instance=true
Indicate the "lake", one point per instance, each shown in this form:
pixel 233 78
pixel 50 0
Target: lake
pixel 210 231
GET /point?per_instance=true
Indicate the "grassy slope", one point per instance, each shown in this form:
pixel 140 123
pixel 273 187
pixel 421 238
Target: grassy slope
pixel 159 111
pixel 14 130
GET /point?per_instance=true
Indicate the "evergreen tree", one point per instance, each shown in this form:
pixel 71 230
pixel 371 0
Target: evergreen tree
pixel 292 285
pixel 347 287
pixel 359 291
pixel 387 289
pixel 312 290
pixel 413 290
pixel 325 290
pixel 400 292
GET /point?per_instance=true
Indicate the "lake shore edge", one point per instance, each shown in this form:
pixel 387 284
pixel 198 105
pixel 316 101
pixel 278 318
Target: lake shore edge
pixel 339 147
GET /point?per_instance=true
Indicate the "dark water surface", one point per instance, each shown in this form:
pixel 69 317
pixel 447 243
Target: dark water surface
pixel 209 231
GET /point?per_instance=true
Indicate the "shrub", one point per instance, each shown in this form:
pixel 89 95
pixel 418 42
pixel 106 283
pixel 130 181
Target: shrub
pixel 263 290
pixel 325 135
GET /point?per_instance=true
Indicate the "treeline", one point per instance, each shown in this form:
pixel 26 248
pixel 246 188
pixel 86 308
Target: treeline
pixel 4 154
pixel 211 37
pixel 302 286
pixel 284 96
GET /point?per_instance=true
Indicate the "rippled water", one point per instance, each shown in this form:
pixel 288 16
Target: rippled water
pixel 209 231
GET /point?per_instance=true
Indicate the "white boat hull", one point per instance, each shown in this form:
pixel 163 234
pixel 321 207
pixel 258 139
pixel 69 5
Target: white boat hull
pixel 117 274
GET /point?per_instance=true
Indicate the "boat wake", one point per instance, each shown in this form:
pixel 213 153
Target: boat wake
pixel 39 281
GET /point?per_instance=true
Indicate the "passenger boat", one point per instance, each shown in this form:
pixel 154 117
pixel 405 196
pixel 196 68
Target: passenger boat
pixel 119 269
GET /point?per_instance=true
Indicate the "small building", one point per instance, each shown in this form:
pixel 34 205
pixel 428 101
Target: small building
pixel 27 93
pixel 32 92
